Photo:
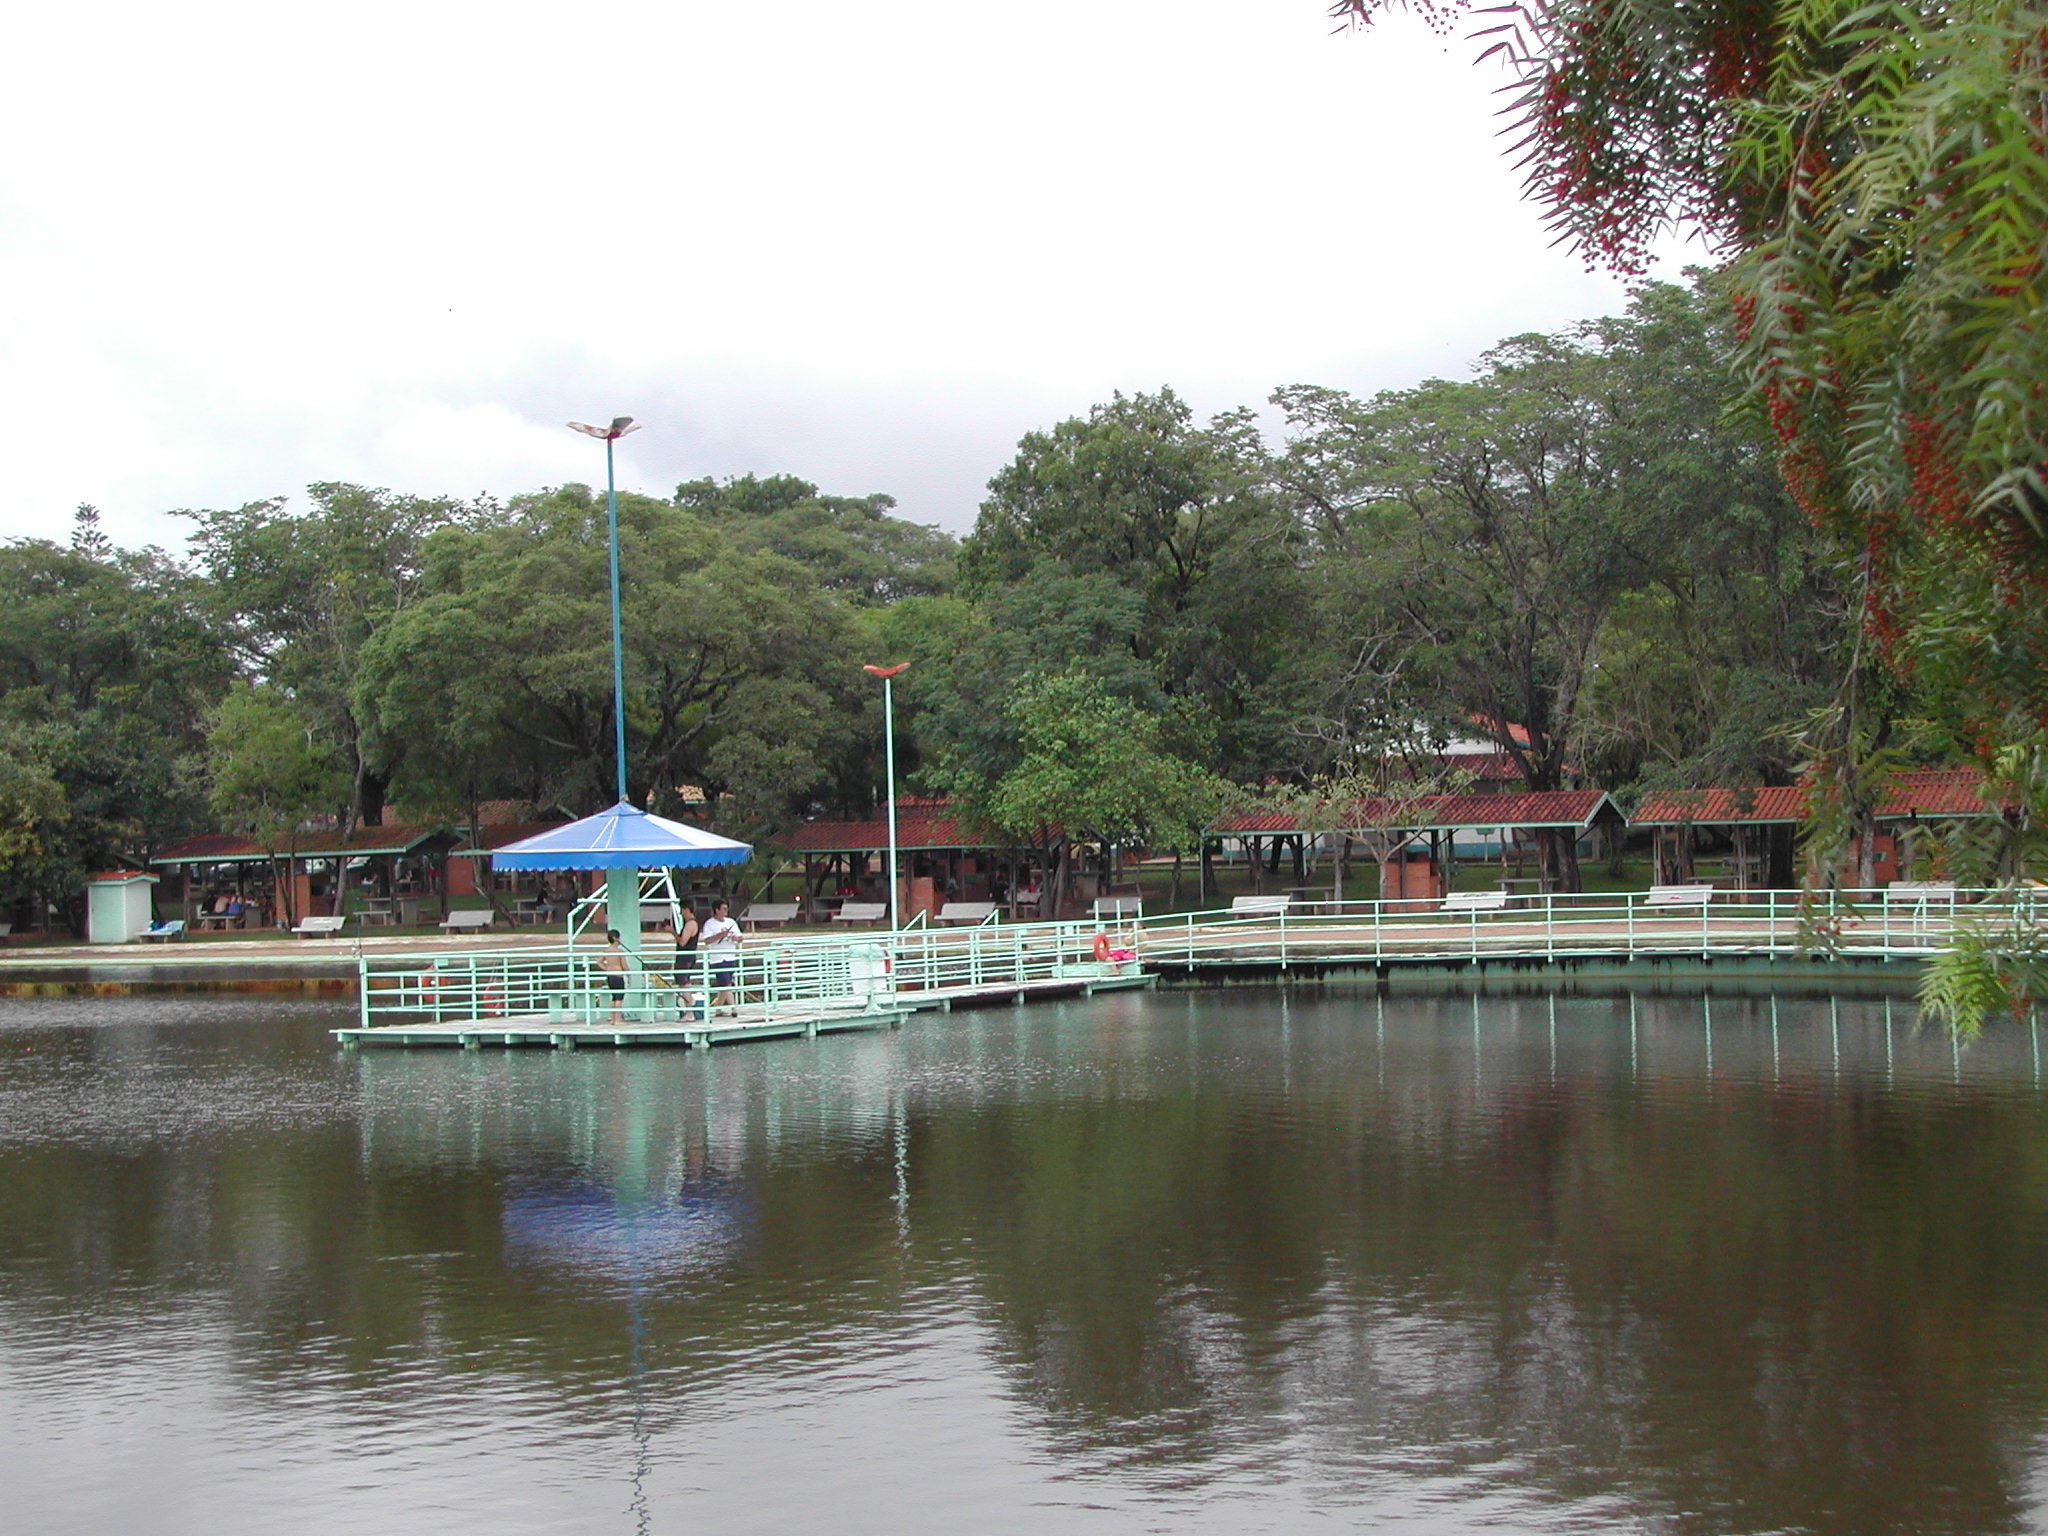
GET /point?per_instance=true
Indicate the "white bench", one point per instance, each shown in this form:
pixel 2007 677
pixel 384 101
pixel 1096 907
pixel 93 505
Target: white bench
pixel 468 920
pixel 861 912
pixel 1920 893
pixel 1679 896
pixel 174 928
pixel 319 927
pixel 770 912
pixel 1476 901
pixel 967 911
pixel 1111 909
pixel 1260 906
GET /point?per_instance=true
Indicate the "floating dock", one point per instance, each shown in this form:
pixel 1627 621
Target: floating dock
pixel 752 1022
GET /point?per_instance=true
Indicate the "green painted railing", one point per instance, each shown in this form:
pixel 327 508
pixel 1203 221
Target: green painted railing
pixel 788 974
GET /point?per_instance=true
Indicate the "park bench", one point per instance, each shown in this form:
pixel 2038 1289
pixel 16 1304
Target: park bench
pixel 319 927
pixel 1260 906
pixel 967 911
pixel 860 912
pixel 770 912
pixel 1679 896
pixel 170 928
pixel 1113 909
pixel 1476 901
pixel 1919 893
pixel 467 921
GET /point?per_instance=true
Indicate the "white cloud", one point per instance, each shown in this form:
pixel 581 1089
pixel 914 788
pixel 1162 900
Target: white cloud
pixel 869 244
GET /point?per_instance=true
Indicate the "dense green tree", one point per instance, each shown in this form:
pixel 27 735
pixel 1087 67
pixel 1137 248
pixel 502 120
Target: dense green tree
pixel 268 773
pixel 32 813
pixel 108 666
pixel 1088 766
pixel 1880 178
pixel 852 543
pixel 304 592
pixel 735 658
pixel 1485 541
pixel 1140 498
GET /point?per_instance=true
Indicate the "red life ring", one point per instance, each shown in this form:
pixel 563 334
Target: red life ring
pixel 1102 946
pixel 494 1002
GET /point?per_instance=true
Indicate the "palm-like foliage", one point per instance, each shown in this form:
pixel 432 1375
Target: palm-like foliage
pixel 1879 172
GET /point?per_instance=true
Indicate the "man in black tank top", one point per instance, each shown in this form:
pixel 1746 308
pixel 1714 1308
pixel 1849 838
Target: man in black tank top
pixel 687 968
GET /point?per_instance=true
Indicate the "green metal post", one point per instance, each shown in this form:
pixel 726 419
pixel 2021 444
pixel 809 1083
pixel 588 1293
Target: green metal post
pixel 611 512
pixel 889 758
pixel 622 907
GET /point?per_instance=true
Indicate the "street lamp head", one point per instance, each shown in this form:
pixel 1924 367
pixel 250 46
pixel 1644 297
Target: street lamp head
pixel 885 671
pixel 620 426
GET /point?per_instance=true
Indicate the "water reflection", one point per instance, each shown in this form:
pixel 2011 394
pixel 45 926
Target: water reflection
pixel 1212 1261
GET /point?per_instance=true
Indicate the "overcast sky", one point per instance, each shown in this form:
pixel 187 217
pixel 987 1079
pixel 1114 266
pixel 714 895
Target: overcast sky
pixel 249 246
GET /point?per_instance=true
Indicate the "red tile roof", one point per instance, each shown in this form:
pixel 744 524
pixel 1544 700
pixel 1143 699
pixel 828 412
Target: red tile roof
pixel 494 835
pixel 1747 806
pixel 1936 792
pixel 1484 767
pixel 1438 813
pixel 1924 792
pixel 915 829
pixel 226 848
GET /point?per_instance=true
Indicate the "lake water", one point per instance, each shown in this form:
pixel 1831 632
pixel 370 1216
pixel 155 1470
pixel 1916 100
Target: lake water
pixel 1217 1261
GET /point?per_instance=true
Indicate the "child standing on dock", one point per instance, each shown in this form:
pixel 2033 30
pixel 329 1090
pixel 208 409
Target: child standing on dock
pixel 613 961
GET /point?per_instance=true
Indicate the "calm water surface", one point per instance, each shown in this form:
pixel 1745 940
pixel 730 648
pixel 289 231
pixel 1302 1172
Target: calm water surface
pixel 1208 1262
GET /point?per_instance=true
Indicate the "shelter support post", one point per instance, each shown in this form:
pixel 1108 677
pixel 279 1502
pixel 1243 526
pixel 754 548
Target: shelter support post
pixel 622 905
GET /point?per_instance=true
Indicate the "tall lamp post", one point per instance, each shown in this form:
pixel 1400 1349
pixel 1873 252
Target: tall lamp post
pixel 621 886
pixel 888 677
pixel 620 426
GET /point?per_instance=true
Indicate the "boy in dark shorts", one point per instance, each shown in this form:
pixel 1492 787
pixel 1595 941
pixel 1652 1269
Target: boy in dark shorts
pixel 613 962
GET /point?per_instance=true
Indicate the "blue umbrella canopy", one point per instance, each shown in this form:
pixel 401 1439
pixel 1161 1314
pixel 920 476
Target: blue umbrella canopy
pixel 623 837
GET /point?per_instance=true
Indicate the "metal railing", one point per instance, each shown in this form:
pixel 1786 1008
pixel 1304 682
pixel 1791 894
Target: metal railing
pixel 794 975
pixel 1780 924
pixel 816 974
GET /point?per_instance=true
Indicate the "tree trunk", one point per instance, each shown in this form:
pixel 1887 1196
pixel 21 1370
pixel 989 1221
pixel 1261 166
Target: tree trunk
pixel 371 789
pixel 1780 864
pixel 1558 849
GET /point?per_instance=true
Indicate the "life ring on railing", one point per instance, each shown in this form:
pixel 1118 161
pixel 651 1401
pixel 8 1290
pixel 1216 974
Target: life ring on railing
pixel 1102 946
pixel 494 1002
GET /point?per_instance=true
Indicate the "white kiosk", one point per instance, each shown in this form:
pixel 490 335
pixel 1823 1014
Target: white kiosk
pixel 117 907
